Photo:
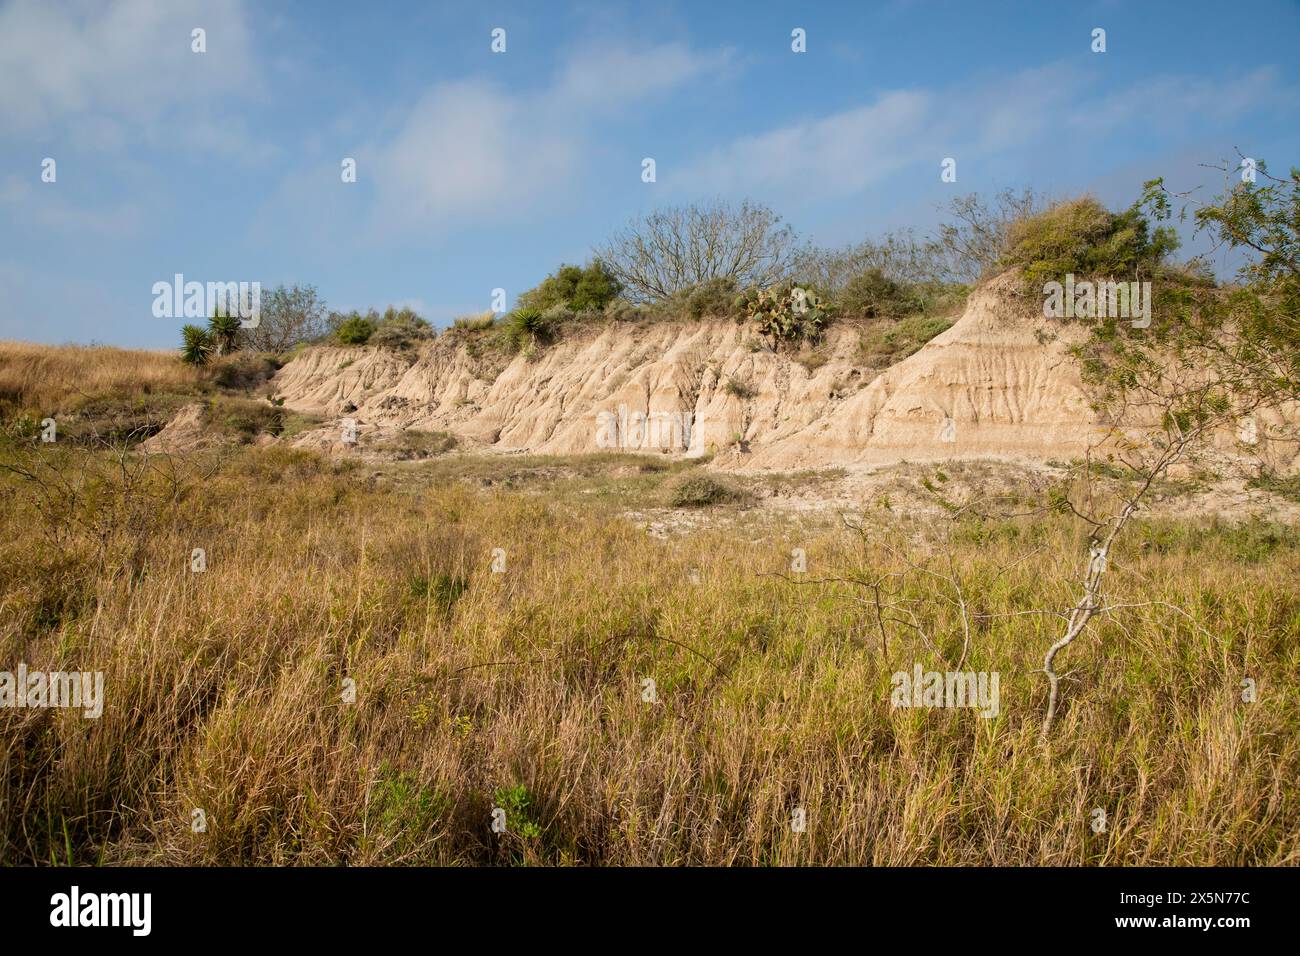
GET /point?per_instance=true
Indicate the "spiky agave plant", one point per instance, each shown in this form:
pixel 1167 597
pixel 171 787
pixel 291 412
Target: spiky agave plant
pixel 525 326
pixel 196 345
pixel 223 331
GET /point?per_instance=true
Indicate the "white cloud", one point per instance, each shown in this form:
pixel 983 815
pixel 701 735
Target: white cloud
pixel 607 77
pixel 1038 111
pixel 465 148
pixel 1174 101
pixel 45 205
pixel 472 149
pixel 848 151
pixel 851 149
pixel 129 59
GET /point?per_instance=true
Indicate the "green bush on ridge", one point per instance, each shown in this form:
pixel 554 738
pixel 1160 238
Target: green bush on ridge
pixel 586 288
pixel 1082 237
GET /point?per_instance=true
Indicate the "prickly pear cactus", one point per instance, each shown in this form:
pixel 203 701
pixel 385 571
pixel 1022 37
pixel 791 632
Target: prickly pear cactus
pixel 788 313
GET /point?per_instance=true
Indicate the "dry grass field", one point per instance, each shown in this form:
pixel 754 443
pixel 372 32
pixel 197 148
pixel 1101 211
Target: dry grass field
pixel 351 681
pixel 52 377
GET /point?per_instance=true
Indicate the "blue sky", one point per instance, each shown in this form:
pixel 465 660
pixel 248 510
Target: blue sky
pixel 479 170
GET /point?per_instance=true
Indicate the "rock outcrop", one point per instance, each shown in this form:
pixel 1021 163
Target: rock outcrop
pixel 1000 383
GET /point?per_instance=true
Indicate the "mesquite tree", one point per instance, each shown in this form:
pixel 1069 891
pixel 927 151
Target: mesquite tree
pixel 677 247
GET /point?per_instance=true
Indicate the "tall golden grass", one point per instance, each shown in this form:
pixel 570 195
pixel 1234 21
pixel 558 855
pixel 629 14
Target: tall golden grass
pixel 45 377
pixel 525 690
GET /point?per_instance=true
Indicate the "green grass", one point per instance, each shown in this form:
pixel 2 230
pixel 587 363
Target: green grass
pixel 1285 487
pixel 888 341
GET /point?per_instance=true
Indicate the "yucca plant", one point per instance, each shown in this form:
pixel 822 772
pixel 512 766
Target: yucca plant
pixel 525 326
pixel 223 331
pixel 196 345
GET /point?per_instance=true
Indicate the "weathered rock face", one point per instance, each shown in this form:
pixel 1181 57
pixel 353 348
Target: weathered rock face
pixel 187 431
pixel 1000 383
pixel 682 387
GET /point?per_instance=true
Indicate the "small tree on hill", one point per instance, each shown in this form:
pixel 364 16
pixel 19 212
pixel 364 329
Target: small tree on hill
pixel 678 247
pixel 288 317
pixel 579 288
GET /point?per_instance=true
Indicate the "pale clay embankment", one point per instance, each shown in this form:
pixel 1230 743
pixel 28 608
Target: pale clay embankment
pixel 999 385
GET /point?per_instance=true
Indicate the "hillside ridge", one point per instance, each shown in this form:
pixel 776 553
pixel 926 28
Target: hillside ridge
pixel 992 385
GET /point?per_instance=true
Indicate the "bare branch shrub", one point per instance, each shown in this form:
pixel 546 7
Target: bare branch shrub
pixel 674 248
pixel 289 316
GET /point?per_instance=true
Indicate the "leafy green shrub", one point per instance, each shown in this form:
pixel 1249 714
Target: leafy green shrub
pixel 395 328
pixel 517 803
pixel 596 289
pixel 407 813
pixel 873 294
pixel 699 490
pixel 713 297
pixel 401 329
pixel 786 313
pixel 22 427
pixel 578 288
pixel 939 298
pixel 336 319
pixel 1083 237
pixel 354 330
